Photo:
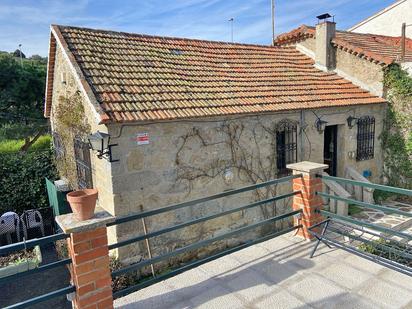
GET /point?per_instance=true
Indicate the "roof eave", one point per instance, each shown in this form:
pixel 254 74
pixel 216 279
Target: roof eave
pixel 361 53
pixel 50 77
pixel 301 33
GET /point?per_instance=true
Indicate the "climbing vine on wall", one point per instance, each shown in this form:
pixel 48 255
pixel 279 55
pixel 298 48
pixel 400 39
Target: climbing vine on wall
pixel 397 134
pixel 69 123
pixel 249 151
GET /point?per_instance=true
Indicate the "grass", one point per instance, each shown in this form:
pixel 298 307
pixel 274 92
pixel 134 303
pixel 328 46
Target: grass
pixel 13 146
pixel 353 209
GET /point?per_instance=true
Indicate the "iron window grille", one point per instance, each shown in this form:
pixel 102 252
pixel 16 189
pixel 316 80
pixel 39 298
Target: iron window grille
pixel 58 145
pixel 286 146
pixel 365 138
pixel 83 164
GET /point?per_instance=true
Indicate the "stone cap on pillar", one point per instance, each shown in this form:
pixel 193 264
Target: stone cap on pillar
pixel 69 224
pixel 307 167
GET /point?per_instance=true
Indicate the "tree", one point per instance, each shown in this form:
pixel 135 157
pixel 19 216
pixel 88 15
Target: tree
pixel 39 59
pixel 21 97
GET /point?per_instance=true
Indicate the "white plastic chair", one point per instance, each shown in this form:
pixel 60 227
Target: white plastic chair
pixel 10 223
pixel 32 219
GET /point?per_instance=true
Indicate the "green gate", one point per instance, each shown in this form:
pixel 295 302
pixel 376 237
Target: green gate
pixel 57 199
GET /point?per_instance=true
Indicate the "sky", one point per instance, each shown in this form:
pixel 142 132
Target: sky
pixel 27 22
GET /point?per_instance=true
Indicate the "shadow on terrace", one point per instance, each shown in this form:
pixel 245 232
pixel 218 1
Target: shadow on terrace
pixel 280 274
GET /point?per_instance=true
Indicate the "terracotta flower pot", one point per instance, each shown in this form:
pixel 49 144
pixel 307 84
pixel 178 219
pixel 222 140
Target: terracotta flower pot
pixel 83 203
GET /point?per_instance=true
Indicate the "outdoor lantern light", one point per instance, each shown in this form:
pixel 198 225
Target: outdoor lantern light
pixel 99 142
pixel 351 121
pixel 320 125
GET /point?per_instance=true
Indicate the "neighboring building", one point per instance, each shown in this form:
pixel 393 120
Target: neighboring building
pixel 358 57
pixel 388 21
pixel 192 118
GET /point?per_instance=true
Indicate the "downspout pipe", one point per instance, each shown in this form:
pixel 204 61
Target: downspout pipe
pixel 403 42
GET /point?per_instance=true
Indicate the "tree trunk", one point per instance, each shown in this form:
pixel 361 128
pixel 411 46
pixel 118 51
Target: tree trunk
pixel 28 143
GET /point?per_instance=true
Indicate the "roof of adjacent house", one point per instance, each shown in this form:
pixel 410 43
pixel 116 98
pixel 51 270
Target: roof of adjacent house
pixel 380 49
pixel 144 78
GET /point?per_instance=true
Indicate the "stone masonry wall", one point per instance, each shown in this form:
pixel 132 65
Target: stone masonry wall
pixel 187 159
pixel 369 76
pixel 361 72
pixel 101 169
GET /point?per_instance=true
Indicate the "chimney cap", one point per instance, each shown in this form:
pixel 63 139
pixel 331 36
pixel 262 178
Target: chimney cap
pixel 324 16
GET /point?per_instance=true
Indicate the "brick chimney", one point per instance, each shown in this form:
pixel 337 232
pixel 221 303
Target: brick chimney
pixel 325 55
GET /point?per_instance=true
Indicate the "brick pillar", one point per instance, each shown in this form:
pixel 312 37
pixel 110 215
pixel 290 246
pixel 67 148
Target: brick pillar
pixel 307 200
pixel 90 272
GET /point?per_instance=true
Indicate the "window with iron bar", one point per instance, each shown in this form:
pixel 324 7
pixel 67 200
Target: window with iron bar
pixel 286 146
pixel 365 138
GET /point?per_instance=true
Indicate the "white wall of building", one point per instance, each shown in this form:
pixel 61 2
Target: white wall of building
pixel 388 21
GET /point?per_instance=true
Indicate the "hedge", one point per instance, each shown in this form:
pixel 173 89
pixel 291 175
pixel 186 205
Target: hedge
pixel 22 180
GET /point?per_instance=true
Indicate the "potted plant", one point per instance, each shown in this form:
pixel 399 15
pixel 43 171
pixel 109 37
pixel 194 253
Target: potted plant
pixel 83 203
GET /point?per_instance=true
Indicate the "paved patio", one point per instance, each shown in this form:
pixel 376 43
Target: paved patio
pixel 279 274
pixel 393 221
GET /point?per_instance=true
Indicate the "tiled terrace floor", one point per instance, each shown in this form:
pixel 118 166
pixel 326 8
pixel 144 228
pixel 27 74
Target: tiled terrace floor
pixel 279 274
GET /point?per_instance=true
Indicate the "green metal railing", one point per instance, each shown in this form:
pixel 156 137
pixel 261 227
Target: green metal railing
pixel 199 220
pixel 205 242
pixel 157 211
pixel 385 209
pixel 27 245
pixel 366 224
pixel 367 185
pixel 357 230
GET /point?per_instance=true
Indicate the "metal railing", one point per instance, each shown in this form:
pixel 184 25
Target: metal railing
pixel 385 209
pixel 27 245
pixel 205 242
pixel 385 243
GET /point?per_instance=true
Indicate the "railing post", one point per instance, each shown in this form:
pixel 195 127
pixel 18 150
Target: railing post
pixel 87 247
pixel 308 201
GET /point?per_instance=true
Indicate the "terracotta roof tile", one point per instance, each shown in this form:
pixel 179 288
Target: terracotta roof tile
pixel 137 77
pixel 379 48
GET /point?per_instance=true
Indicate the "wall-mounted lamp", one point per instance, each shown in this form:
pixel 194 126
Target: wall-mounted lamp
pixel 351 121
pixel 320 125
pixel 100 142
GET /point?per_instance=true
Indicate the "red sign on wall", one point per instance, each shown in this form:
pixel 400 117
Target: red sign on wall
pixel 142 138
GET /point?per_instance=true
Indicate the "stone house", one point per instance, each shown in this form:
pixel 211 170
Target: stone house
pixel 192 118
pixel 387 21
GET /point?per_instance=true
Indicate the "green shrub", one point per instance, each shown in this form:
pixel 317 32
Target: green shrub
pixel 123 281
pixel 397 137
pixel 22 180
pixel 388 249
pixel 354 209
pixel 380 196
